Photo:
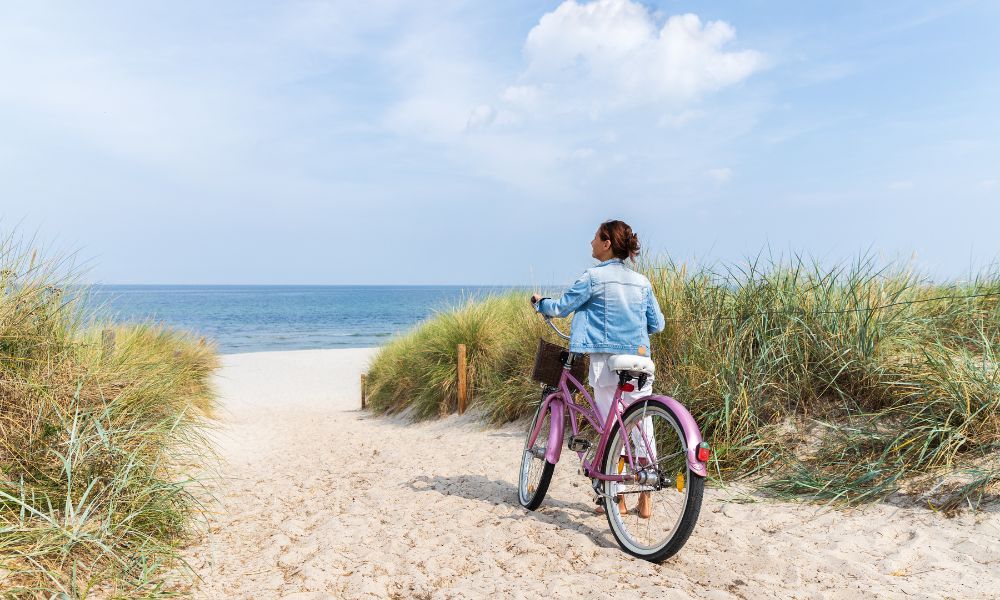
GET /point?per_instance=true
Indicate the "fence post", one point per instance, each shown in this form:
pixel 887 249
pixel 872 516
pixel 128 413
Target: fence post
pixel 107 343
pixel 363 391
pixel 461 379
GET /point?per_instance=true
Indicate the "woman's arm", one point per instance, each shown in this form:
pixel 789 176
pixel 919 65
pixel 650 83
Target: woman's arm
pixel 572 299
pixel 654 317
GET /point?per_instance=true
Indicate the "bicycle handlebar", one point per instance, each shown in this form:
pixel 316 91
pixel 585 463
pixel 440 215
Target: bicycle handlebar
pixel 548 320
pixel 556 329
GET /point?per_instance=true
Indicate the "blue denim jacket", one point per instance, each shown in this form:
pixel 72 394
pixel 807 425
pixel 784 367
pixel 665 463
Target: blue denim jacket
pixel 615 307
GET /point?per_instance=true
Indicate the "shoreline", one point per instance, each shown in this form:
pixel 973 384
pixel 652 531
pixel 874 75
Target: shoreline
pixel 318 499
pixel 345 348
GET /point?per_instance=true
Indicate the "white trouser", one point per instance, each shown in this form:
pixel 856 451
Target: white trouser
pixel 605 382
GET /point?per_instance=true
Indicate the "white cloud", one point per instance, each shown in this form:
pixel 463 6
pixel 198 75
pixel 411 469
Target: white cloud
pixel 588 62
pixel 988 183
pixel 609 77
pixel 206 105
pixel 612 54
pixel 605 92
pixel 438 76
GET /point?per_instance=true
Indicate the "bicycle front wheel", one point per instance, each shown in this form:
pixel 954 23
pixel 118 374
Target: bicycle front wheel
pixel 536 472
pixel 662 495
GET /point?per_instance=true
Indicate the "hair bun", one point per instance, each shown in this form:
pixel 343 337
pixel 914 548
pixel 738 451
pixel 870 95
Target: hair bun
pixel 634 244
pixel 624 241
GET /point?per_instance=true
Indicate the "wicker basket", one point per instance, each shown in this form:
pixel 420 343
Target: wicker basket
pixel 549 364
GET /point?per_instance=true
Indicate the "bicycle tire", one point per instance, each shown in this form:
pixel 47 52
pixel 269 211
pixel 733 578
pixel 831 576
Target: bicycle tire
pixel 532 498
pixel 695 489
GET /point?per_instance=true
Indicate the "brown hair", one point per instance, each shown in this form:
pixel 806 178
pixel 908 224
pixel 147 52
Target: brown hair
pixel 624 243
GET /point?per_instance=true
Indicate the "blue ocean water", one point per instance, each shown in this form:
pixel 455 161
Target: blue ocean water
pixel 258 318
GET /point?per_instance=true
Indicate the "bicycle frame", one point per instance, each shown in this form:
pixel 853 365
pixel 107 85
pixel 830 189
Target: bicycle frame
pixel 561 401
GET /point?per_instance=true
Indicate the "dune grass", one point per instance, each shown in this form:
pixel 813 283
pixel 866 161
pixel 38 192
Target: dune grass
pixel 95 442
pixel 843 384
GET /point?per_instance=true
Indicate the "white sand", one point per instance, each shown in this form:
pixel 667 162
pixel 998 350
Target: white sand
pixel 321 500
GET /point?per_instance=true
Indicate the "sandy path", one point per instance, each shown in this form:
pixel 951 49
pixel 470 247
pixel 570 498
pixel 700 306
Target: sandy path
pixel 320 500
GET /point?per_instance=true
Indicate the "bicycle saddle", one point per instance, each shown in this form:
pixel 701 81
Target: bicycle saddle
pixel 632 363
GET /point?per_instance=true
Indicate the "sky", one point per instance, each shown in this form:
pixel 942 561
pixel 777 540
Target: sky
pixel 455 142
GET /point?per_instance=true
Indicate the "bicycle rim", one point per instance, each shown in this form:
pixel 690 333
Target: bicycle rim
pixel 656 531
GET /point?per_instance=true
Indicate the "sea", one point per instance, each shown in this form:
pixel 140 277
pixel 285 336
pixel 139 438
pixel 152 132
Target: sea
pixel 256 318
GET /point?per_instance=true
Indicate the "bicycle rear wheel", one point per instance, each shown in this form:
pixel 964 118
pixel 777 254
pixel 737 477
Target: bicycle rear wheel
pixel 536 472
pixel 662 506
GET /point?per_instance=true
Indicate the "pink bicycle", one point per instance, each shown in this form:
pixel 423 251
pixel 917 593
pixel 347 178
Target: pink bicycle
pixel 649 452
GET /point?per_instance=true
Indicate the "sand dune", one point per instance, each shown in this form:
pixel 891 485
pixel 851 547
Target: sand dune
pixel 319 500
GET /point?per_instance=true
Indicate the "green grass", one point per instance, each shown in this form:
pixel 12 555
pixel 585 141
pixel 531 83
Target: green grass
pixel 843 384
pixel 95 446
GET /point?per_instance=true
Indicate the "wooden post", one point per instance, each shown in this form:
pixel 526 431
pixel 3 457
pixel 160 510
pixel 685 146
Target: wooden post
pixel 363 391
pixel 107 343
pixel 461 379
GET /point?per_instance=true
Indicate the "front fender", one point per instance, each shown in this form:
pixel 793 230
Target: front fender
pixel 692 434
pixel 554 448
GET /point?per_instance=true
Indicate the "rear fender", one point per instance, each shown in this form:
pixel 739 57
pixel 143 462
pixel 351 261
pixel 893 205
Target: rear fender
pixel 692 434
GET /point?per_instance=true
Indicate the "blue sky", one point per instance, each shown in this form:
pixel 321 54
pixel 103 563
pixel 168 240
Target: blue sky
pixel 475 142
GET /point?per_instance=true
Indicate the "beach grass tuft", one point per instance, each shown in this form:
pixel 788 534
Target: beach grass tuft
pixel 97 441
pixel 845 384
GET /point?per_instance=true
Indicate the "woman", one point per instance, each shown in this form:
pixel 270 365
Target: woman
pixel 616 311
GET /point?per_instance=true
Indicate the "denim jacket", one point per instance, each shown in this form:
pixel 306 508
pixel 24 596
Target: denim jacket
pixel 615 307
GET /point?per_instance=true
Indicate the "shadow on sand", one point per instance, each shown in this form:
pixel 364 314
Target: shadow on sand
pixel 577 516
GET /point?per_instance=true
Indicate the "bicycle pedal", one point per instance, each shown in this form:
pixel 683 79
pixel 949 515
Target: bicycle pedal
pixel 578 444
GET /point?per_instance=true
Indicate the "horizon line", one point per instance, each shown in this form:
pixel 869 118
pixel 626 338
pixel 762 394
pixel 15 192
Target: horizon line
pixel 98 284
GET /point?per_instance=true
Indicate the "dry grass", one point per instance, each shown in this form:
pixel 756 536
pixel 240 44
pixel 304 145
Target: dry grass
pixel 894 377
pixel 94 446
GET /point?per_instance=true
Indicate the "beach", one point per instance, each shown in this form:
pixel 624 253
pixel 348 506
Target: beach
pixel 318 499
